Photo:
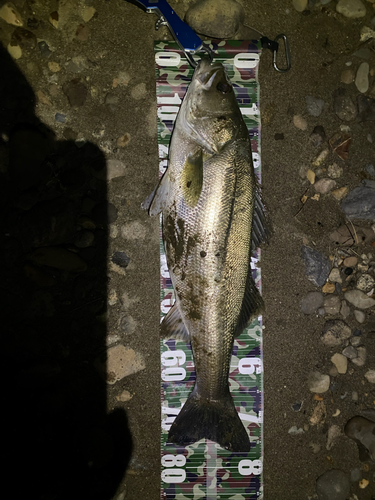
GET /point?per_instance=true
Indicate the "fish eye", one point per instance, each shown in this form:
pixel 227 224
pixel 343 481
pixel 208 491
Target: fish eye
pixel 224 87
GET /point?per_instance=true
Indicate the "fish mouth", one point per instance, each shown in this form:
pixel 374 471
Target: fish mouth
pixel 208 73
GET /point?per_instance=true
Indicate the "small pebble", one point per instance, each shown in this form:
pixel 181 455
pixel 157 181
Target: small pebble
pixel 325 185
pixel 345 309
pixel 299 122
pixel 350 352
pixel 360 316
pixel 359 299
pixel 335 332
pixel 341 362
pixel 317 136
pixel 363 483
pixel 311 302
pixel 356 341
pixel 338 288
pixel 334 171
pixel 370 376
pixel 355 396
pixel 360 360
pixel 351 8
pixel 333 485
pixel 332 304
pixel 314 105
pixel 295 431
pixel 60 118
pixel 340 193
pixel 350 261
pixel 9 14
pixel 365 282
pixel 318 382
pixel 335 276
pixel 361 79
pixel 347 76
pixel 300 5
pixel 328 288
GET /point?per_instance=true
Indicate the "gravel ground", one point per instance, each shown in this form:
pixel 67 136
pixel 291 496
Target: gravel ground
pixel 80 259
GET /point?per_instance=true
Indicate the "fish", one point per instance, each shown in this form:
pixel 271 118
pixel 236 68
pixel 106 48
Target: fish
pixel 212 217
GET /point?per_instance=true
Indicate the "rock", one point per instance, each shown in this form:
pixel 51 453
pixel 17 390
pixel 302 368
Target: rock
pixel 329 288
pixel 360 360
pixel 87 13
pixel 24 38
pixel 350 352
pixel 332 304
pixel 365 282
pixel 300 5
pixel 123 140
pixel 310 176
pixel 311 302
pixel 54 66
pixel 355 475
pixel 215 18
pixel 76 92
pixel 334 432
pixel 345 235
pixel 44 49
pixel 347 76
pixel 124 396
pixel 334 171
pixel 318 382
pixel 15 51
pixel 362 431
pixel 314 105
pixel 363 483
pixel 361 79
pixel 360 316
pixel 320 159
pixel 350 261
pixel 341 362
pixel 295 431
pixel 114 168
pixel 59 258
pixel 340 193
pixel 319 414
pixel 119 362
pixel 335 275
pixel 318 136
pixel 345 309
pixel 325 185
pixel 366 108
pixel 359 299
pixel 333 485
pixel 120 259
pixel 299 122
pixel 335 332
pixel 10 15
pixel 370 376
pixel 343 105
pixel 317 267
pixel 356 341
pixel 351 8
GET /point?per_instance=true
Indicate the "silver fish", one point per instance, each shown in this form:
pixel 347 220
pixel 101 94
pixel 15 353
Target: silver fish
pixel 212 216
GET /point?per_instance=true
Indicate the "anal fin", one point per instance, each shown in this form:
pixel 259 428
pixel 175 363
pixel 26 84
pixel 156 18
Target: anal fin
pixel 173 327
pixel 252 304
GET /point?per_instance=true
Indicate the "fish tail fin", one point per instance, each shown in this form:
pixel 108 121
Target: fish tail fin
pixel 214 420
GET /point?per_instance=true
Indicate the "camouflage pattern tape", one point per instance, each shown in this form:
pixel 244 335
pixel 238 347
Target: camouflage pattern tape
pixel 203 470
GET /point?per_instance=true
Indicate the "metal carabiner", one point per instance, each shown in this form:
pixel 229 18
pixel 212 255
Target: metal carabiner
pixel 287 54
pixel 274 46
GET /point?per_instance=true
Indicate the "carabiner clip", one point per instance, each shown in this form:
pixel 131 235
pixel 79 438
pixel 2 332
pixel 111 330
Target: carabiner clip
pixel 287 55
pixel 274 46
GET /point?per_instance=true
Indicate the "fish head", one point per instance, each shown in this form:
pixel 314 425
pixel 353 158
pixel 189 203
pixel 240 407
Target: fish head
pixel 210 111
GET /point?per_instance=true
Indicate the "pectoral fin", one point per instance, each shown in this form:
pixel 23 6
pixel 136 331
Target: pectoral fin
pixel 160 197
pixel 192 178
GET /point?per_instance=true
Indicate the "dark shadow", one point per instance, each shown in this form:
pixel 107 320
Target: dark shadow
pixel 60 443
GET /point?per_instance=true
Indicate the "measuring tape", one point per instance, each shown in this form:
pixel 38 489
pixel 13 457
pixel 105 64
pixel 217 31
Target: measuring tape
pixel 204 470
